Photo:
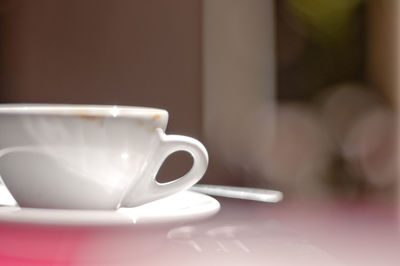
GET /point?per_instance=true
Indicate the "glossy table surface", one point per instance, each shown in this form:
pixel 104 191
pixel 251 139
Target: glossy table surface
pixel 242 233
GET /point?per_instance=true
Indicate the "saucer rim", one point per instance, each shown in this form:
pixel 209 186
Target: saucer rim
pixel 119 217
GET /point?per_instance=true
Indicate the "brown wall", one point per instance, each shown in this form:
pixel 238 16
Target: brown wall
pixel 144 53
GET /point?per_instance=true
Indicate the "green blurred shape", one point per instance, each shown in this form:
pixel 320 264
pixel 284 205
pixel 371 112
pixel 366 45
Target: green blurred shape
pixel 326 20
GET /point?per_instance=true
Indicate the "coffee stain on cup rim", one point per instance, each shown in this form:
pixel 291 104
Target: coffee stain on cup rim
pixel 88 117
pixel 156 116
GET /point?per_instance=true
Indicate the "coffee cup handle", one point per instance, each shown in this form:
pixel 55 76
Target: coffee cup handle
pixel 149 189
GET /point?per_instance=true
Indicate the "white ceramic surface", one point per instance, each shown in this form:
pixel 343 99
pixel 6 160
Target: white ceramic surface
pixel 90 157
pixel 184 206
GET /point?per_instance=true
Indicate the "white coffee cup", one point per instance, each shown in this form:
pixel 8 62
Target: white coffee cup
pixel 90 157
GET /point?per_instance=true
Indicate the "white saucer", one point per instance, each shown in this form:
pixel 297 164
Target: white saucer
pixel 181 207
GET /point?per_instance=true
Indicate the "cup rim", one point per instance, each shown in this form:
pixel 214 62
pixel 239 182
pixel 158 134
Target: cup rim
pixel 82 110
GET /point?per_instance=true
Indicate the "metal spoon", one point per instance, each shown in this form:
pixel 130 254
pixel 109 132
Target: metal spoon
pixel 256 194
pixel 246 193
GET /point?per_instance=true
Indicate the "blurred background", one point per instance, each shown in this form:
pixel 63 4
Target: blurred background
pixel 299 96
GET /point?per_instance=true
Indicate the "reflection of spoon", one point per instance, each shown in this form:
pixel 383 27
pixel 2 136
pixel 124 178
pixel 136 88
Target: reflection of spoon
pixel 256 194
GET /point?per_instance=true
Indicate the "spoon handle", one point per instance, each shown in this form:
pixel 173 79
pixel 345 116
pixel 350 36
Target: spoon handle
pixel 256 194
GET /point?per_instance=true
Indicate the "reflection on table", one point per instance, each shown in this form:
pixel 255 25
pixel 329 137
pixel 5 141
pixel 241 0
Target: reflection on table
pixel 242 233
